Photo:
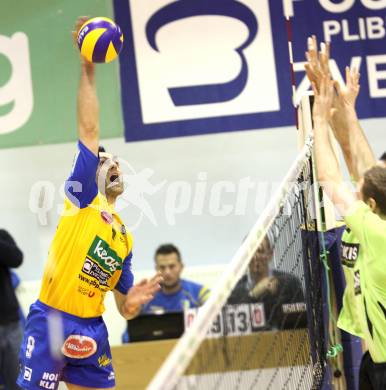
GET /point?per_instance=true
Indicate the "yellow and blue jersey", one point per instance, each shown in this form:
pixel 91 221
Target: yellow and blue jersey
pixel 91 251
pixel 190 295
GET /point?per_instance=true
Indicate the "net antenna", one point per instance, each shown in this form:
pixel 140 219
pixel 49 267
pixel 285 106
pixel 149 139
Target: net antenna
pixel 180 357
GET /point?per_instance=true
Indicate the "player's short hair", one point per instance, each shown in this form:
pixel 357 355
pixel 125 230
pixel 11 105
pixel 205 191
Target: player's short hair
pixel 167 249
pixel 374 186
pixel 383 157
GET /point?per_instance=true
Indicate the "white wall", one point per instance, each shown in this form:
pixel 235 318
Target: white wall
pixel 204 238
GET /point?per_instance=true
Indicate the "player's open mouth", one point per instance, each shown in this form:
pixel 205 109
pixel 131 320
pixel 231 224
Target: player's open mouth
pixel 113 178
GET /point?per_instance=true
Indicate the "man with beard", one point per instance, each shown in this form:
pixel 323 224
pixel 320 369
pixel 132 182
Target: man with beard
pixel 176 294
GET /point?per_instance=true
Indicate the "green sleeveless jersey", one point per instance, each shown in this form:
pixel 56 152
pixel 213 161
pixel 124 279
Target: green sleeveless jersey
pixel 363 256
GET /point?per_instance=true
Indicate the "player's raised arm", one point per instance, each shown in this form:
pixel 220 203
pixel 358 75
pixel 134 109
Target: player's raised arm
pixel 327 166
pixel 344 122
pixel 87 103
pixel 356 149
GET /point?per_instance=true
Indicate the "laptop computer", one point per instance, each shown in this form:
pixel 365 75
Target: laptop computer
pixel 148 327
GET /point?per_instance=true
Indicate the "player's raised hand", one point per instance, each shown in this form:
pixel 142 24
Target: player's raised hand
pixel 79 23
pixel 347 95
pixel 142 292
pixel 324 98
pixel 317 62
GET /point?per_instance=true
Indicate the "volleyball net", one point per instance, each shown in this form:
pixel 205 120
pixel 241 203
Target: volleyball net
pixel 265 324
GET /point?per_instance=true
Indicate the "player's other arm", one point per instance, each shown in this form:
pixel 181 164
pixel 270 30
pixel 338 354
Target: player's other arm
pixel 129 298
pixel 87 102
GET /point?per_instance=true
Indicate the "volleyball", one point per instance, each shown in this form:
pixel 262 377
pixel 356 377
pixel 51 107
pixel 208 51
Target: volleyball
pixel 100 40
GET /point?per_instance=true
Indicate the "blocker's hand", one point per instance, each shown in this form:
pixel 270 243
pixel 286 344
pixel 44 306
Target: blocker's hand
pixel 324 97
pixel 317 65
pixel 142 292
pixel 347 95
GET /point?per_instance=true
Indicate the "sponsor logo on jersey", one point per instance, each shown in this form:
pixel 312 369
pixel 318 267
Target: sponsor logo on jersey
pixel 27 374
pixel 103 360
pixel 107 217
pixel 349 254
pixel 94 270
pixel 30 347
pixel 86 291
pixel 49 380
pixel 92 283
pixel 106 257
pixel 357 283
pixel 79 347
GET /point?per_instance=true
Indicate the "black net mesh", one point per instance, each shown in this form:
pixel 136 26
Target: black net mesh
pixel 271 332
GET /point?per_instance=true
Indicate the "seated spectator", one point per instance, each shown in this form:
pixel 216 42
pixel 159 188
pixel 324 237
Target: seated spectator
pixel 176 294
pixel 274 288
pixel 10 329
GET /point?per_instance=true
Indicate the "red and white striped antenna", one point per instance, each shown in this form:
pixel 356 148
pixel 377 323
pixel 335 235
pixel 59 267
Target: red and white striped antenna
pixel 289 14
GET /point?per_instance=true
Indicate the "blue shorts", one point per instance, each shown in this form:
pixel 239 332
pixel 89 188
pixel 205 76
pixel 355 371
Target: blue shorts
pixel 58 346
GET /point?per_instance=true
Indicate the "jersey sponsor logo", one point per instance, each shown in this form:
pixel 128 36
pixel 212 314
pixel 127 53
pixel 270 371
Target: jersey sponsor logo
pixel 30 347
pixel 106 257
pixel 104 360
pixel 349 254
pixel 357 283
pixel 107 217
pixel 94 270
pixel 27 374
pixel 93 283
pixel 86 291
pixel 49 380
pixel 79 347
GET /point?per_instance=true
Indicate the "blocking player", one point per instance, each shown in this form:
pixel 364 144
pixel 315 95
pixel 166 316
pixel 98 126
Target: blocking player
pixel 364 241
pixel 65 336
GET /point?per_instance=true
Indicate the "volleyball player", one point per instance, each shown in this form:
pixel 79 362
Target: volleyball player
pixel 364 241
pixel 65 336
